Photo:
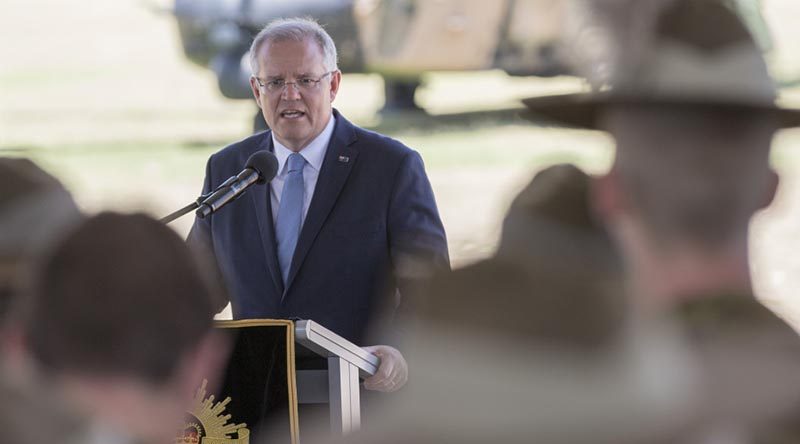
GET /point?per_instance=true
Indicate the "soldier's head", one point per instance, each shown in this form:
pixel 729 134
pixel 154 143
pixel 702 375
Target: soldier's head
pixel 120 297
pixel 689 175
pixel 295 79
pixel 693 127
pixel 692 109
pixel 34 211
pixel 118 320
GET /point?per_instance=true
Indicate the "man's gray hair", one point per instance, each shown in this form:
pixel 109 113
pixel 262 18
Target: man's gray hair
pixel 297 29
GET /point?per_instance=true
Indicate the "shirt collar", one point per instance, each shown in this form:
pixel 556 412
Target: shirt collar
pixel 313 153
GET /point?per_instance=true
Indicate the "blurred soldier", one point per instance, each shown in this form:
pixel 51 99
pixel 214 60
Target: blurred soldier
pixel 692 109
pixel 32 414
pixel 504 353
pixel 35 209
pixel 349 220
pixel 552 254
pixel 119 321
pixel 534 344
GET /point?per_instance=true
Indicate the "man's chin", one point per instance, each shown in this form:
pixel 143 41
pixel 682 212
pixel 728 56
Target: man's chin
pixel 293 128
pixel 292 139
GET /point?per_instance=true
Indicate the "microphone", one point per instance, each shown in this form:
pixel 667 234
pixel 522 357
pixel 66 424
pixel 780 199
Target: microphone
pixel 260 168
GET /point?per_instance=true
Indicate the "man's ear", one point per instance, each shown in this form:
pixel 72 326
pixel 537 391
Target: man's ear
pixel 16 355
pixel 770 190
pixel 206 361
pixel 606 197
pixel 256 90
pixel 336 79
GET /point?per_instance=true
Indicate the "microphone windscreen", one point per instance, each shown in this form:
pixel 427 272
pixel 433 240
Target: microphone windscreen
pixel 265 163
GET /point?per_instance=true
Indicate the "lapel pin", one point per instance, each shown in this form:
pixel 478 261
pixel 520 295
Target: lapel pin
pixel 344 159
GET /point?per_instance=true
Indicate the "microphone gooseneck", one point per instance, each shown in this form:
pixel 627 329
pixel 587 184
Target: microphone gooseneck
pixel 260 168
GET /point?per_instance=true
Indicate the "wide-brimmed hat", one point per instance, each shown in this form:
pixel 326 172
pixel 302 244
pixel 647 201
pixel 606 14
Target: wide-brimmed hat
pixel 698 53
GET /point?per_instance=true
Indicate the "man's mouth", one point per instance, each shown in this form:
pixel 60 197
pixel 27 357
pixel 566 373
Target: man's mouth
pixel 292 114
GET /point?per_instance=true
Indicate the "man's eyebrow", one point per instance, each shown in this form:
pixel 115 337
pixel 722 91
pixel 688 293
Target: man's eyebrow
pixel 295 75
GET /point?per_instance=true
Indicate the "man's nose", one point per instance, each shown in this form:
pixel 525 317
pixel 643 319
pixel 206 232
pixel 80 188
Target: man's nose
pixel 291 91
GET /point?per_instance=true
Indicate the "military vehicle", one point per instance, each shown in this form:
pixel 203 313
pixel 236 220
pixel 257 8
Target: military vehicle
pixel 399 39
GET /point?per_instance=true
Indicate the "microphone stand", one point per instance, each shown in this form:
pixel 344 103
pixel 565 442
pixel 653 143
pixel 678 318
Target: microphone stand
pixel 233 187
pixel 196 204
pixel 187 209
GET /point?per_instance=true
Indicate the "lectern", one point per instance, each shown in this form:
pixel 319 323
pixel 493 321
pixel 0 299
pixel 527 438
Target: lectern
pixel 339 383
pixel 275 365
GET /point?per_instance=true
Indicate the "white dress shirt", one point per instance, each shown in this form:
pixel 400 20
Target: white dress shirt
pixel 314 154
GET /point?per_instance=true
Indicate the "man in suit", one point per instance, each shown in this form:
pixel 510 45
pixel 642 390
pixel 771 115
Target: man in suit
pixel 349 219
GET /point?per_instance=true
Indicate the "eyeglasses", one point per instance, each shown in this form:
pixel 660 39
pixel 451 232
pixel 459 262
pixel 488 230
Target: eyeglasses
pixel 302 84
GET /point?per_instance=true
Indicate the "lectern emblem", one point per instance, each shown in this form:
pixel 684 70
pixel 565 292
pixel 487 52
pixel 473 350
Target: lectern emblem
pixel 207 423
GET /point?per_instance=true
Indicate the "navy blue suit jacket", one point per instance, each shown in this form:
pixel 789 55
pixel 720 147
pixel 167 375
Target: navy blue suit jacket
pixel 372 220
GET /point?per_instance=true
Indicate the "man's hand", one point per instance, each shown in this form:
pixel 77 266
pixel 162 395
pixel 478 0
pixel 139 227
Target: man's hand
pixel 392 373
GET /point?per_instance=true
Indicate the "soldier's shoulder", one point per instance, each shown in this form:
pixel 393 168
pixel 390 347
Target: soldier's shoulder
pixel 560 193
pixel 717 315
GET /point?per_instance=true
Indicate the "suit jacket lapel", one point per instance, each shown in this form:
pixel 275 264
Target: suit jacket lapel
pixel 263 205
pixel 339 160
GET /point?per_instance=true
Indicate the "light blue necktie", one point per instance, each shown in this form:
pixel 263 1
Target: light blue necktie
pixel 290 213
